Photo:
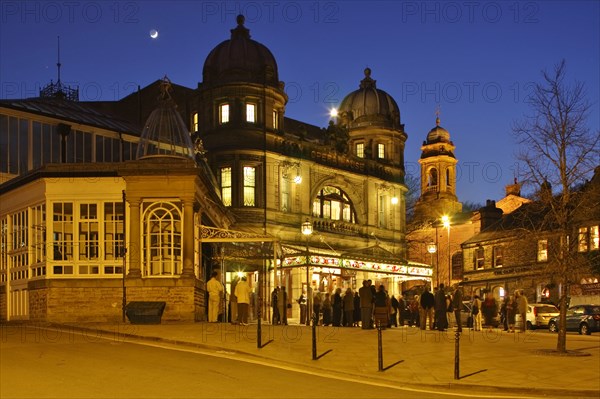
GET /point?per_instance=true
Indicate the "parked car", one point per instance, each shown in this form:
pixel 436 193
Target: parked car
pixel 582 318
pixel 538 315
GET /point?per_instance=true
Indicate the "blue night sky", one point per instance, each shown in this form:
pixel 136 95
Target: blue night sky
pixel 477 60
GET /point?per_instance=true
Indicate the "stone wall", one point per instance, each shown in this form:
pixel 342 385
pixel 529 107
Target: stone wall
pixel 3 309
pixel 100 300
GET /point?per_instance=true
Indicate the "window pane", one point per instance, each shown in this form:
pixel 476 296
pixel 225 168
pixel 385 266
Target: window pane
pixel 594 238
pixel 223 113
pixel 250 113
pixel 249 185
pixel 360 150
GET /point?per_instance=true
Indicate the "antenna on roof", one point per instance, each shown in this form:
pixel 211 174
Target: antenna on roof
pixel 58 90
pixel 58 64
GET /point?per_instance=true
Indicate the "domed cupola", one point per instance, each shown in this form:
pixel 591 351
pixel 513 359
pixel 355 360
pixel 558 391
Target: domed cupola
pixel 240 59
pixel 369 106
pixel 165 134
pixel 438 134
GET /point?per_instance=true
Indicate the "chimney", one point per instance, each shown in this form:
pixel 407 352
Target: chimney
pixel 490 214
pixel 513 189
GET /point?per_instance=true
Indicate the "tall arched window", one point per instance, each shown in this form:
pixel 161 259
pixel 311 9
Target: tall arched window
pixel 333 203
pixel 162 245
pixel 432 178
pixel 448 179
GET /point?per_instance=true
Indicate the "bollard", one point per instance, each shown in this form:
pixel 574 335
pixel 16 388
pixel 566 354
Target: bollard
pixel 379 347
pixel 258 326
pixel 314 336
pixel 457 355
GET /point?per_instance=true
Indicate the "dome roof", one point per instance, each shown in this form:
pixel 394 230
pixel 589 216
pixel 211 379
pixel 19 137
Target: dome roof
pixel 438 134
pixel 240 59
pixel 165 133
pixel 370 105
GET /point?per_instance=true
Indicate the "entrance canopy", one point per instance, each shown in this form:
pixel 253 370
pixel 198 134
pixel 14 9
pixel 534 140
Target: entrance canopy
pixel 372 259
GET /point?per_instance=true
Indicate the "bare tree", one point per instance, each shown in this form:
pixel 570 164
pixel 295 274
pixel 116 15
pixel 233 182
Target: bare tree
pixel 559 152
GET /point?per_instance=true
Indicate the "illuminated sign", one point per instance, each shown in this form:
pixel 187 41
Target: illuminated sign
pixel 352 264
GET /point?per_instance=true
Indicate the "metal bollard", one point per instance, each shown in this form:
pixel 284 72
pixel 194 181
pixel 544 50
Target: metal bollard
pixel 457 355
pixel 258 327
pixel 379 347
pixel 315 320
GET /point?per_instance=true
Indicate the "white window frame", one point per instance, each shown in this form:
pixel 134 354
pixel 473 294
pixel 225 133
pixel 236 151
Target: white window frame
pixel 360 150
pixel 251 112
pixel 224 113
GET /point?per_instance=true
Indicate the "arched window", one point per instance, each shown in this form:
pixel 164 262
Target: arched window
pixel 162 245
pixel 333 203
pixel 448 180
pixel 432 178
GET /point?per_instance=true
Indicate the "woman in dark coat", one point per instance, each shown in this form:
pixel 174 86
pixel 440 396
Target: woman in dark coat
pixel 356 309
pixel 489 308
pixel 337 307
pixel 382 308
pixel 326 309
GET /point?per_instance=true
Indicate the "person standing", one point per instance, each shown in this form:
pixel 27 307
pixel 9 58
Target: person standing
pixel 274 305
pixel 382 308
pixel 349 308
pixel 441 320
pixel 326 308
pixel 457 305
pixel 302 302
pixel 427 303
pixel 284 305
pixel 215 294
pixel 394 312
pixel 233 307
pixel 242 292
pixel 337 307
pixel 317 304
pixel 476 311
pixel 511 313
pixel 366 305
pixel 522 306
pixel 356 315
pixel 401 310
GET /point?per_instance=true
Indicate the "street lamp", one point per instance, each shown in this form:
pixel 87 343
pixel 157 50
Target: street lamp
pixel 432 248
pixel 307 230
pixel 446 223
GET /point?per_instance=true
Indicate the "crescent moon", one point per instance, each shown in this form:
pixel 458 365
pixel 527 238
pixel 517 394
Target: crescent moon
pixel 153 33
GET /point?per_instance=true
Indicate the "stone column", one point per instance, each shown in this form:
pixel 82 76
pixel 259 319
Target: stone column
pixel 134 249
pixel 188 238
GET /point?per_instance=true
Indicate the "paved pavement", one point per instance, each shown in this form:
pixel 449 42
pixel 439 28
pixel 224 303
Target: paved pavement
pixel 492 362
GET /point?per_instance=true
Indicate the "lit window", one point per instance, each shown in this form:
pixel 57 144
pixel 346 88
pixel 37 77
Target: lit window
pixel 162 244
pixel 88 231
pixel 195 122
pixel 383 210
pixel 432 178
pixel 360 150
pixel 542 253
pixel 275 120
pixel 381 151
pixel 479 258
pixel 226 186
pixel 285 194
pixel 223 113
pixel 594 238
pixel 251 113
pixel 582 240
pixel 333 203
pixel 498 256
pixel 249 186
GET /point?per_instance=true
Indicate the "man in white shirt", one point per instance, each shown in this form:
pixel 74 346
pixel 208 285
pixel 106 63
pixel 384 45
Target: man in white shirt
pixel 215 293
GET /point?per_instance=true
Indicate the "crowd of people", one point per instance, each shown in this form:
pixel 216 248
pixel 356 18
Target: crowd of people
pixel 370 307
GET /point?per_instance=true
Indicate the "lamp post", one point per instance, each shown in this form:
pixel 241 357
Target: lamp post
pixel 307 231
pixel 432 248
pixel 446 223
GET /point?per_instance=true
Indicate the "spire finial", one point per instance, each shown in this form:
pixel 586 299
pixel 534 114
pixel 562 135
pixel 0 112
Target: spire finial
pixel 437 115
pixel 367 82
pixel 58 64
